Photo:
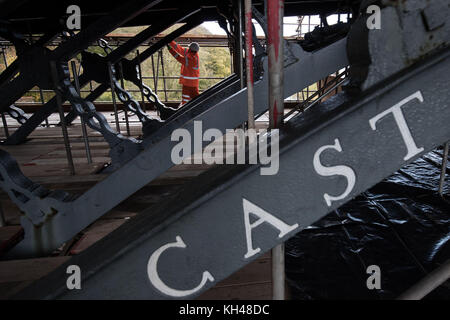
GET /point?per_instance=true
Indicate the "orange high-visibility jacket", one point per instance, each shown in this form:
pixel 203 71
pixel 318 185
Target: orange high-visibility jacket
pixel 190 71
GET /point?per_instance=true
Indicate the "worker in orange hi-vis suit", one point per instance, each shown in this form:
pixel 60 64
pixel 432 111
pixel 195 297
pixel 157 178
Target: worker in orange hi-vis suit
pixel 190 72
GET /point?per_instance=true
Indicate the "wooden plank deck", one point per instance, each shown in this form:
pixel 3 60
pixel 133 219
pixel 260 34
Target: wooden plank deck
pixel 43 159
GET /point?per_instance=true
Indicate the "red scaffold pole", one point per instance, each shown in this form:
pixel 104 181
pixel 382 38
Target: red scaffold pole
pixel 275 13
pixel 249 62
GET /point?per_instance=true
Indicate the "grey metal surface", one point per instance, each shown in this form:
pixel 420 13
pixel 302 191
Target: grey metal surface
pixel 71 217
pixel 203 235
pixel 405 38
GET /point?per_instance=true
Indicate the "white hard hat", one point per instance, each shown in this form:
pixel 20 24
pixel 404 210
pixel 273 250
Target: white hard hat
pixel 194 47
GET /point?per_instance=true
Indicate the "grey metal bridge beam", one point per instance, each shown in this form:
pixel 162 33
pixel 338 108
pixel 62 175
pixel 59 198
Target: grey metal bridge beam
pixel 183 247
pixel 304 70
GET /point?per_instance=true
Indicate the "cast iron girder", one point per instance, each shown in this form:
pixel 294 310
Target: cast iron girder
pixel 13 68
pixel 201 218
pixel 156 157
pixel 203 232
pixel 40 15
pixel 13 90
pixel 20 135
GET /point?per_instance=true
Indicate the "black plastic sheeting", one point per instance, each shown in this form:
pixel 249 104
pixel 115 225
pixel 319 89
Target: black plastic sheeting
pixel 401 225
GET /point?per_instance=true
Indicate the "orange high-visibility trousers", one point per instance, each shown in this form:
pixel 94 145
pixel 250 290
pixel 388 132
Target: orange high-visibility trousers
pixel 188 93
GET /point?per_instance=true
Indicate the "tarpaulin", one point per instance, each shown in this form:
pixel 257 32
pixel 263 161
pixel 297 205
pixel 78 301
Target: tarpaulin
pixel 401 225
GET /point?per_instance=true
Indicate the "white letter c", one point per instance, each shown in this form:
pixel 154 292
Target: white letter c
pixel 159 284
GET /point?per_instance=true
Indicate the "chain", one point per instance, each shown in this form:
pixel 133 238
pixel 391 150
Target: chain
pixel 102 43
pixel 131 104
pixel 122 148
pixel 17 114
pixel 164 111
pixel 125 97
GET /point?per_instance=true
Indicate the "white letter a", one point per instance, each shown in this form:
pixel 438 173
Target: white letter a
pixel 264 216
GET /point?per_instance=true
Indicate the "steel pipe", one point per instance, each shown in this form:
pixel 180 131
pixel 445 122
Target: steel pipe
pixel 125 111
pixel 59 102
pixel 240 44
pixel 428 284
pixel 275 46
pixel 141 79
pixel 275 13
pixel 113 96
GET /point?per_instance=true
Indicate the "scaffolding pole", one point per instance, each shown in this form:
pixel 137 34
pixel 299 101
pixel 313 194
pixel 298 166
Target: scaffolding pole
pixel 59 103
pixel 240 44
pixel 428 284
pixel 83 123
pixel 275 13
pixel 249 63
